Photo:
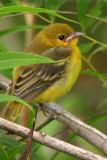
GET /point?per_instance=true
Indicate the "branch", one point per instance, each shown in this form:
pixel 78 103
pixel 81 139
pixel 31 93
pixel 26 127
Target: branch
pixel 51 142
pixel 85 131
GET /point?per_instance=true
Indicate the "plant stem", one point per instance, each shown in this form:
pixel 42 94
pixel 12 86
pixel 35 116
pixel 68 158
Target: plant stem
pixel 102 44
pixel 92 67
pixel 43 18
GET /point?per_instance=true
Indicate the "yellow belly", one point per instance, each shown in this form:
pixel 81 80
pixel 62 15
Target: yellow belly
pixel 63 85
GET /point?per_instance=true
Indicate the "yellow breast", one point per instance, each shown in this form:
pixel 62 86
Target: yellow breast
pixel 63 85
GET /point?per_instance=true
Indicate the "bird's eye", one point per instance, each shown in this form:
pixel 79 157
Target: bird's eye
pixel 61 37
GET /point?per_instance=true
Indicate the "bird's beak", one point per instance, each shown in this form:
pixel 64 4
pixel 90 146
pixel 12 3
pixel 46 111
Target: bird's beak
pixel 72 36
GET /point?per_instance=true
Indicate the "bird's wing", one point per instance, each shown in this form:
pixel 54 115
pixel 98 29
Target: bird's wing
pixel 37 79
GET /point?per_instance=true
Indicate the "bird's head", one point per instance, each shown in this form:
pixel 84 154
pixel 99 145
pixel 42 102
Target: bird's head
pixel 60 35
pixel 54 35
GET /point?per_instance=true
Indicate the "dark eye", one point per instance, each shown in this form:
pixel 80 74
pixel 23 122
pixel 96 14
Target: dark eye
pixel 61 37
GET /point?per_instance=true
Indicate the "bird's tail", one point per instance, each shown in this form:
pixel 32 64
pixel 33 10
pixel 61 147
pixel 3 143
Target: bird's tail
pixel 11 111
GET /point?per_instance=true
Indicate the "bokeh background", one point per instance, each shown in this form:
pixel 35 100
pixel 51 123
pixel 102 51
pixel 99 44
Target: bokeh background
pixel 88 96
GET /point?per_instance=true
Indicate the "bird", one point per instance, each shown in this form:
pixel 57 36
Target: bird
pixel 46 82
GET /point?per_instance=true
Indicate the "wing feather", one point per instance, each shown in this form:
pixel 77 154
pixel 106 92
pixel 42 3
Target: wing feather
pixel 39 77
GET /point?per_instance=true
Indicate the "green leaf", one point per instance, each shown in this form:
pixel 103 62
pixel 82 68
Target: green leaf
pixel 96 12
pixel 97 118
pixel 14 59
pixel 6 98
pixel 81 8
pixel 7 73
pixel 89 21
pixel 9 142
pixel 23 9
pixel 37 2
pixel 4 152
pixel 54 5
pixel 86 47
pixel 96 74
pixel 2 48
pixel 6 2
pixel 19 29
pixel 11 153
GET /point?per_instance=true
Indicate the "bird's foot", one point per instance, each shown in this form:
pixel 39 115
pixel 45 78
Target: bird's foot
pixel 50 108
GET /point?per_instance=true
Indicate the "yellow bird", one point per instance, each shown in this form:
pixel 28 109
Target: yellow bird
pixel 46 82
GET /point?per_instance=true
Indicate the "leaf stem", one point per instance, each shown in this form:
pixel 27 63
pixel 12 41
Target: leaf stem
pixel 43 18
pixel 102 44
pixel 95 51
pixel 4 151
pixel 92 67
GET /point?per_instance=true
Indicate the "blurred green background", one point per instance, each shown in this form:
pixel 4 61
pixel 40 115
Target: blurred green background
pixel 88 96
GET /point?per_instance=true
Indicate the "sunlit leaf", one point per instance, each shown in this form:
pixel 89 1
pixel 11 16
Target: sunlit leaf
pixel 14 59
pixel 23 9
pixel 6 98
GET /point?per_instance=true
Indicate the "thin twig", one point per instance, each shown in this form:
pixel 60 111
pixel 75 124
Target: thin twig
pixel 91 118
pixel 51 142
pixel 26 154
pixel 95 41
pixel 75 13
pixel 14 15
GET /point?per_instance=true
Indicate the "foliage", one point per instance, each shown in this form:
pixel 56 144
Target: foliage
pixel 89 21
